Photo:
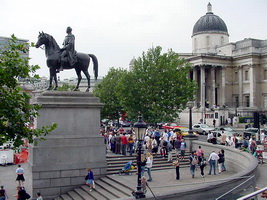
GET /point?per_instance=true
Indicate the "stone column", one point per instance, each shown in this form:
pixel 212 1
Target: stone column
pixel 58 164
pixel 252 86
pixel 223 86
pixel 202 86
pixel 212 85
pixel 240 84
pixel 196 80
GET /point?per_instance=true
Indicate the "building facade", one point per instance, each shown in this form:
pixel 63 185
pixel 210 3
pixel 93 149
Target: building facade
pixel 231 77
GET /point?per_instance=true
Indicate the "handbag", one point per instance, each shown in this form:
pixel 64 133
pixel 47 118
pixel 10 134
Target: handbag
pixel 86 177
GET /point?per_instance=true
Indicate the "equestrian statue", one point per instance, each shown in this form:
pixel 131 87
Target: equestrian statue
pixel 58 59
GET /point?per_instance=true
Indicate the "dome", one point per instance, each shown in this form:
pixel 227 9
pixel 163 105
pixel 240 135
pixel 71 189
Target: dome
pixel 210 23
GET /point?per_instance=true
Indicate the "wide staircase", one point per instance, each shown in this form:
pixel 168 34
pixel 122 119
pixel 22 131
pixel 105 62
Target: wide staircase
pixel 108 188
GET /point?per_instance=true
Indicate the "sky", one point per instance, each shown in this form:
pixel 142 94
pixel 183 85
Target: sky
pixel 115 31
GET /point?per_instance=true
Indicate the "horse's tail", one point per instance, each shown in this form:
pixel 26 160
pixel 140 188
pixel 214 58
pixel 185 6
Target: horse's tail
pixel 95 61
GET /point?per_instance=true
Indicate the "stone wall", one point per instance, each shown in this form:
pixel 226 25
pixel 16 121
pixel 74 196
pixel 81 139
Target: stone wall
pixel 58 164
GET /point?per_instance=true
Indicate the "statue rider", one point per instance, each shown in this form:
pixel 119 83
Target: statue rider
pixel 68 54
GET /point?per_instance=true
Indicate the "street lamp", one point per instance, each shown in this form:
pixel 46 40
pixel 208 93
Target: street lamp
pixel 190 105
pixel 140 131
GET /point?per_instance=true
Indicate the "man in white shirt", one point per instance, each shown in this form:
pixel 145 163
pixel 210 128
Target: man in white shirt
pixel 212 161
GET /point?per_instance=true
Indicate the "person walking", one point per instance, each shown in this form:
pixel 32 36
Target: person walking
pixel 124 142
pixel 131 144
pixel 143 164
pixel 199 152
pixel 3 195
pixel 149 162
pixel 90 179
pixel 220 161
pixel 202 164
pixel 223 161
pixel 20 175
pixel 176 163
pixel 212 161
pixel 177 146
pixel 193 162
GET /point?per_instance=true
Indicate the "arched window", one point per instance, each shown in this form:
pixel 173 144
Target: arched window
pixel 208 41
pixel 222 40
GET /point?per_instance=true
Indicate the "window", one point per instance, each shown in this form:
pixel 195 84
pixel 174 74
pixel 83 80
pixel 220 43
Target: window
pixel 208 41
pixel 246 75
pixel 236 76
pixel 222 40
pixel 265 74
pixel 247 101
pixel 265 101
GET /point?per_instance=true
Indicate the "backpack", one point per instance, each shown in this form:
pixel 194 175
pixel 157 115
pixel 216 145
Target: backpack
pixel 203 162
pixel 194 160
pixel 27 196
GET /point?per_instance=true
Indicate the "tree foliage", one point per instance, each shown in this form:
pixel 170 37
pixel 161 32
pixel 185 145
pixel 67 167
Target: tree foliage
pixel 159 86
pixel 16 112
pixel 107 92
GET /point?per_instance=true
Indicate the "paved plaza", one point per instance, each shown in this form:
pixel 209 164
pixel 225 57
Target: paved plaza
pixel 163 180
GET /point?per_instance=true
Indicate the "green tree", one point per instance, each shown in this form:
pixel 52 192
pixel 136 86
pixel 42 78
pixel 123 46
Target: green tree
pixel 107 92
pixel 16 112
pixel 159 86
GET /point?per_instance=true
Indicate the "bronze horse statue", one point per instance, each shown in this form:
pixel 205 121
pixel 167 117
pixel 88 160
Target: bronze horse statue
pixel 53 52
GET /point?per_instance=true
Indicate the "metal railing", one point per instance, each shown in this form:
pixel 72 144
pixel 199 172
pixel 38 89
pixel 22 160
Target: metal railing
pixel 253 194
pixel 251 177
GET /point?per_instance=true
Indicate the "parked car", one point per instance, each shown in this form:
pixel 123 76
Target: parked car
pixel 183 131
pixel 250 132
pixel 170 126
pixel 227 130
pixel 202 128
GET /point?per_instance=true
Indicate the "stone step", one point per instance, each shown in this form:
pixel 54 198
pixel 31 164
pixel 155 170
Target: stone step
pixel 97 193
pixel 117 186
pixel 58 198
pixel 74 195
pixel 85 195
pixel 107 187
pixel 66 197
pixel 114 180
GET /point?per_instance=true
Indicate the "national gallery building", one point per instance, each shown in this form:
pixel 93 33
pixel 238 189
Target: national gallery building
pixel 231 77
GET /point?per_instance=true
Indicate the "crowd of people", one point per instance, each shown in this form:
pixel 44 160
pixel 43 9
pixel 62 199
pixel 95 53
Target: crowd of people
pixel 155 141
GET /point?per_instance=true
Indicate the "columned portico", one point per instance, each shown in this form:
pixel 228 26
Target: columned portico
pixel 196 79
pixel 223 86
pixel 240 85
pixel 252 85
pixel 213 102
pixel 202 87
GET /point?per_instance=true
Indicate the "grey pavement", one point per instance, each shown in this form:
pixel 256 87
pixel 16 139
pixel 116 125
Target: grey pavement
pixel 163 180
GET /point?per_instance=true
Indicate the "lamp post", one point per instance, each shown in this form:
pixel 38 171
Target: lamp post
pixel 190 105
pixel 140 131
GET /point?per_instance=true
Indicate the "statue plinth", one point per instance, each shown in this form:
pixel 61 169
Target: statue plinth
pixel 58 164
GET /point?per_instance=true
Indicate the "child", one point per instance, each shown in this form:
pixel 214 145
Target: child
pixel 90 179
pixel 176 164
pixel 143 183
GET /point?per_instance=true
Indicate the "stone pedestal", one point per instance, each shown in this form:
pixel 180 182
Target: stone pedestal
pixel 58 164
pixel 189 145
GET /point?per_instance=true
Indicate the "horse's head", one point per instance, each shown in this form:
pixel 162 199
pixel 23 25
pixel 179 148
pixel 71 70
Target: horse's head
pixel 42 39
